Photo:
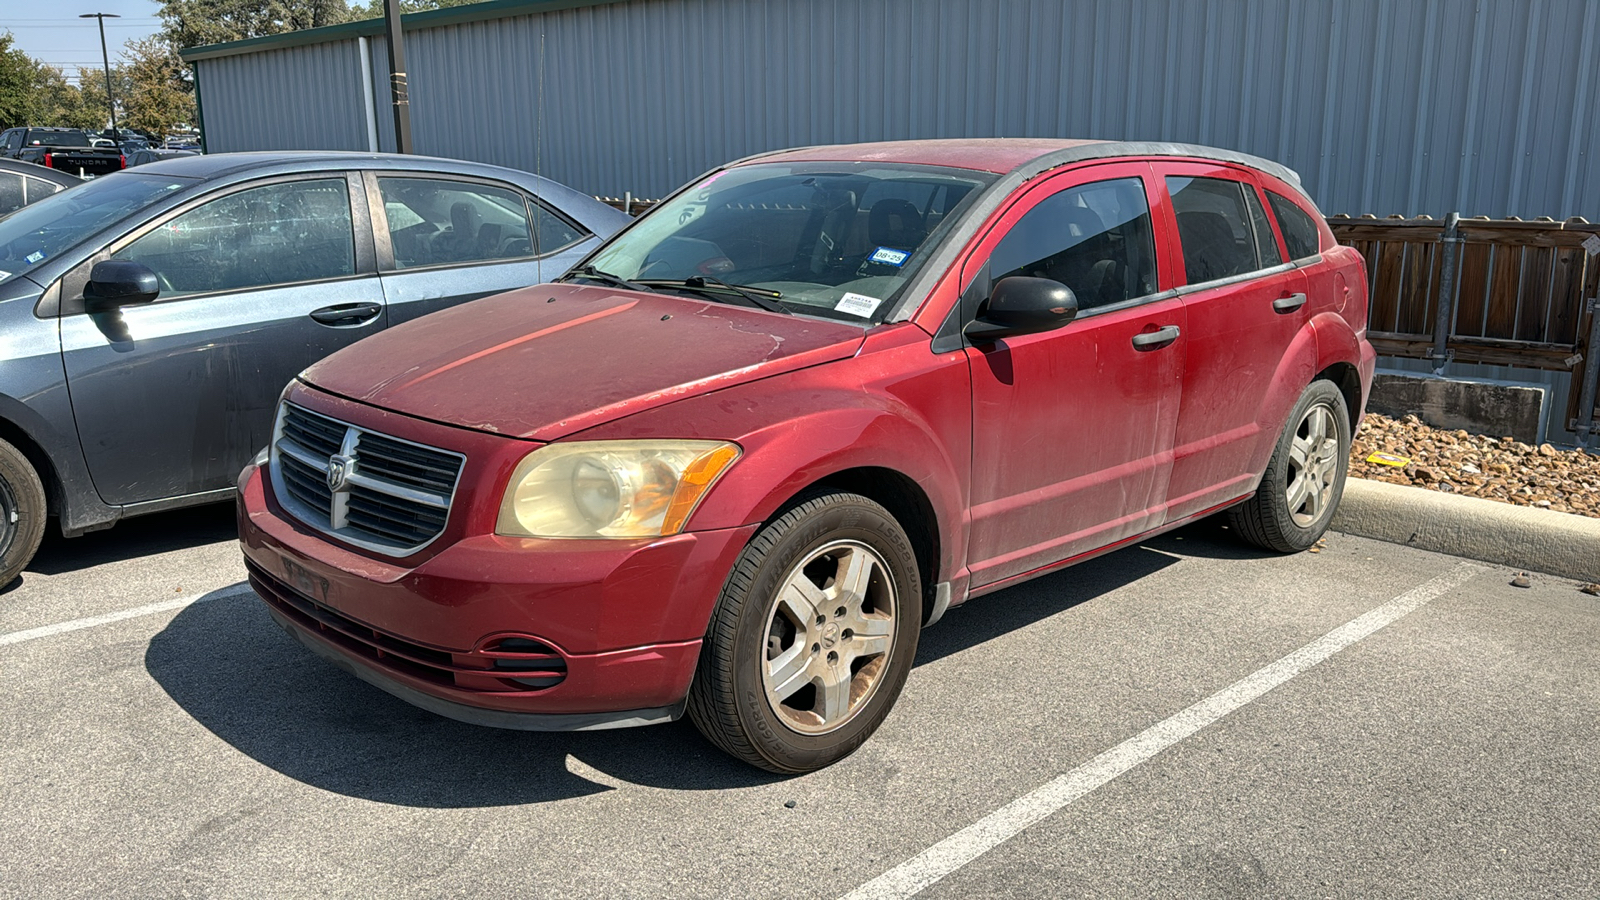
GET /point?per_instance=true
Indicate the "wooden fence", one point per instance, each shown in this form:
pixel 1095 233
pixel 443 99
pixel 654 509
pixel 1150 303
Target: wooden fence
pixel 1496 291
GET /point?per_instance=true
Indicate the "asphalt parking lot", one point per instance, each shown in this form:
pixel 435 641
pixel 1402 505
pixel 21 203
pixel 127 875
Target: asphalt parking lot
pixel 1181 718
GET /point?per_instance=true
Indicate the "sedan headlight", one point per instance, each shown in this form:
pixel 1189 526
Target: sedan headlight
pixel 621 489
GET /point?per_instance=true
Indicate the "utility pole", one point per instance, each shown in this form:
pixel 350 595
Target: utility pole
pixel 106 58
pixel 398 93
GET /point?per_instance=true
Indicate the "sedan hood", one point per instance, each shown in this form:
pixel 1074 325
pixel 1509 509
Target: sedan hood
pixel 551 360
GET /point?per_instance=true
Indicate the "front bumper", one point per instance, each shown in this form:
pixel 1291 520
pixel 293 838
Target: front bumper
pixel 602 633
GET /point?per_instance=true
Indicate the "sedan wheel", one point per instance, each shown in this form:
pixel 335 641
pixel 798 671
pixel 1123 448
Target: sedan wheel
pixel 813 636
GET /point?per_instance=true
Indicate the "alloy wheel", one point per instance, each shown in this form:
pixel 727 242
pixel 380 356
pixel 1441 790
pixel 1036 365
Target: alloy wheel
pixel 830 633
pixel 1313 465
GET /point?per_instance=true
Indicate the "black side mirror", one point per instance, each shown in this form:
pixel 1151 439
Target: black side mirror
pixel 1023 305
pixel 119 282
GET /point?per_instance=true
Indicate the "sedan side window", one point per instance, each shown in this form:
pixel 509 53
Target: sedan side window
pixel 38 189
pixel 11 198
pixel 1214 226
pixel 1094 238
pixel 278 234
pixel 436 222
pixel 1299 230
pixel 555 232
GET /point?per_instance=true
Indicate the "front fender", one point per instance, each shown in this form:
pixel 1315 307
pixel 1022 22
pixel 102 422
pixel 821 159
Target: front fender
pixel 898 408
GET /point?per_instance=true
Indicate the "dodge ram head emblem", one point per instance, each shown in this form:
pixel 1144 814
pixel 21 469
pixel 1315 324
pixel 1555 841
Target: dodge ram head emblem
pixel 339 472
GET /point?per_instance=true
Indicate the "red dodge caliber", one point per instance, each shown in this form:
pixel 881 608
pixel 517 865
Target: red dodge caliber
pixel 752 445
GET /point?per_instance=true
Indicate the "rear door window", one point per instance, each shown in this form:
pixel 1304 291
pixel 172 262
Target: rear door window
pixel 1216 229
pixel 1300 232
pixel 1094 238
pixel 435 222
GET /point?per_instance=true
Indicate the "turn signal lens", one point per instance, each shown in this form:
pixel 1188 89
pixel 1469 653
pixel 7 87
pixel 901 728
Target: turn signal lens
pixel 621 489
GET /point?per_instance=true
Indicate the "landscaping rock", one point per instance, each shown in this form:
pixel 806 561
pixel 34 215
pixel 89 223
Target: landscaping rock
pixel 1458 462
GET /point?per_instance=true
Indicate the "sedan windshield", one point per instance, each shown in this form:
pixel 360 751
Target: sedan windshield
pixel 839 240
pixel 48 228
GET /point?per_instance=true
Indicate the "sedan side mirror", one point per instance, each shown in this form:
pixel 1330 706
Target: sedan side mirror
pixel 119 282
pixel 1023 305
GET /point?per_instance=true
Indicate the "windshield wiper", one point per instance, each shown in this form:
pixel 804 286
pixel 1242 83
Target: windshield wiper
pixel 761 297
pixel 593 274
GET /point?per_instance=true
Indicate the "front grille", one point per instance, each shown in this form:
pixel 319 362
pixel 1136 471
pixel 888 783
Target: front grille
pixel 510 664
pixel 375 491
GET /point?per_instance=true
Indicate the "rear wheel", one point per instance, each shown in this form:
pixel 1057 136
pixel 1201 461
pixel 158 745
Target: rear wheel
pixel 812 638
pixel 1305 478
pixel 22 513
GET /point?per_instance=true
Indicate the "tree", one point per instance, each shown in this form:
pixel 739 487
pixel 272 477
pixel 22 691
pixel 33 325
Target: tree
pixel 193 23
pixel 95 110
pixel 18 72
pixel 373 9
pixel 157 97
pixel 56 101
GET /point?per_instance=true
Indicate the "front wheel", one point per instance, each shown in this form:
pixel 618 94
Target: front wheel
pixel 22 513
pixel 1305 477
pixel 812 638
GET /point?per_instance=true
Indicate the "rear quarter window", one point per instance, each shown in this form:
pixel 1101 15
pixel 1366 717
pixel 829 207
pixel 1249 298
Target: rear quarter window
pixel 1299 229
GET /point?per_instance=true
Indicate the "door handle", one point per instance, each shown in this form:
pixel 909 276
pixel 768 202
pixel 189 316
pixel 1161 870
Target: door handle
pixel 1290 303
pixel 346 314
pixel 1151 340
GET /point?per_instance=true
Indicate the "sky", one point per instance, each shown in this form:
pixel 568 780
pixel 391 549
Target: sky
pixel 54 34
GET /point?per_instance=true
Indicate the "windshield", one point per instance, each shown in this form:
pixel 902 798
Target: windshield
pixel 55 224
pixel 839 240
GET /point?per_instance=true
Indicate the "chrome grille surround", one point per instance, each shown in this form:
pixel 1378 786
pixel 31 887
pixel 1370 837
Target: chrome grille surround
pixel 384 494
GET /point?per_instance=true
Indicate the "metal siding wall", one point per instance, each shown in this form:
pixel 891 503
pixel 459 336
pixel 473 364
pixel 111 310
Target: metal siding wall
pixel 299 98
pixel 1488 107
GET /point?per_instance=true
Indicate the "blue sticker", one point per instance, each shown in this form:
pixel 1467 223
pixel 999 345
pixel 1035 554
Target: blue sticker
pixel 35 256
pixel 890 256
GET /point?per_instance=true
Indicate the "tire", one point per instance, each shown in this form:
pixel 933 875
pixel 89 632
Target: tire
pixel 1304 480
pixel 812 637
pixel 22 513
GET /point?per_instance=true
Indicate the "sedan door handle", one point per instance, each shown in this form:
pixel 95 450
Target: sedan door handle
pixel 1151 340
pixel 1290 303
pixel 347 314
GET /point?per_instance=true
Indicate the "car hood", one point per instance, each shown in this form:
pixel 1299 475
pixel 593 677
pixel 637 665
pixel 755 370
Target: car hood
pixel 551 360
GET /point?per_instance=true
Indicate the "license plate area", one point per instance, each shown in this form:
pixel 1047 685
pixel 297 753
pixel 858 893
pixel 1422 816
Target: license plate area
pixel 305 581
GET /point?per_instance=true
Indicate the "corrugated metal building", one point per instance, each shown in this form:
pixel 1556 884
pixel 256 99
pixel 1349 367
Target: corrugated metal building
pixel 1488 107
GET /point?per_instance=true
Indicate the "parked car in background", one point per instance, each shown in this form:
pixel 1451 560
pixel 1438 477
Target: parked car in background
pixel 23 183
pixel 151 154
pixel 760 438
pixel 67 149
pixel 173 302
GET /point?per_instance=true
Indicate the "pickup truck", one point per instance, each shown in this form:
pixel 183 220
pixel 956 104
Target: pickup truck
pixel 67 149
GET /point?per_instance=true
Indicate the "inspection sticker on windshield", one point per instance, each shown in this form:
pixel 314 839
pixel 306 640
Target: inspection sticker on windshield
pixel 857 304
pixel 890 256
pixel 34 257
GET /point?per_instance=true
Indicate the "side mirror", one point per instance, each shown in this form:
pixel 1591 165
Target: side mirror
pixel 119 282
pixel 1023 305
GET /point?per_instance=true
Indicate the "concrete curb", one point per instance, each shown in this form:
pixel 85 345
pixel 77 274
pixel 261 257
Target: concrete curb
pixel 1523 537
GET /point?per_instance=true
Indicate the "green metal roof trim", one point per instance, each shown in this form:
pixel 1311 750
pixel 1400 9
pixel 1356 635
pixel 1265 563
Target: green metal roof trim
pixel 434 18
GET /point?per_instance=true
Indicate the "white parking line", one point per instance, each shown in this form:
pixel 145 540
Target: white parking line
pixel 17 637
pixel 992 830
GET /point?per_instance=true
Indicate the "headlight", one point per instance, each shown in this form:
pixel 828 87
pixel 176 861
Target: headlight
pixel 621 489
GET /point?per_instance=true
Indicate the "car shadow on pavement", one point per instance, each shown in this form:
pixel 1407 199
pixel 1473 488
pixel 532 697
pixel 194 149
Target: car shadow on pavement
pixel 141 536
pixel 229 666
